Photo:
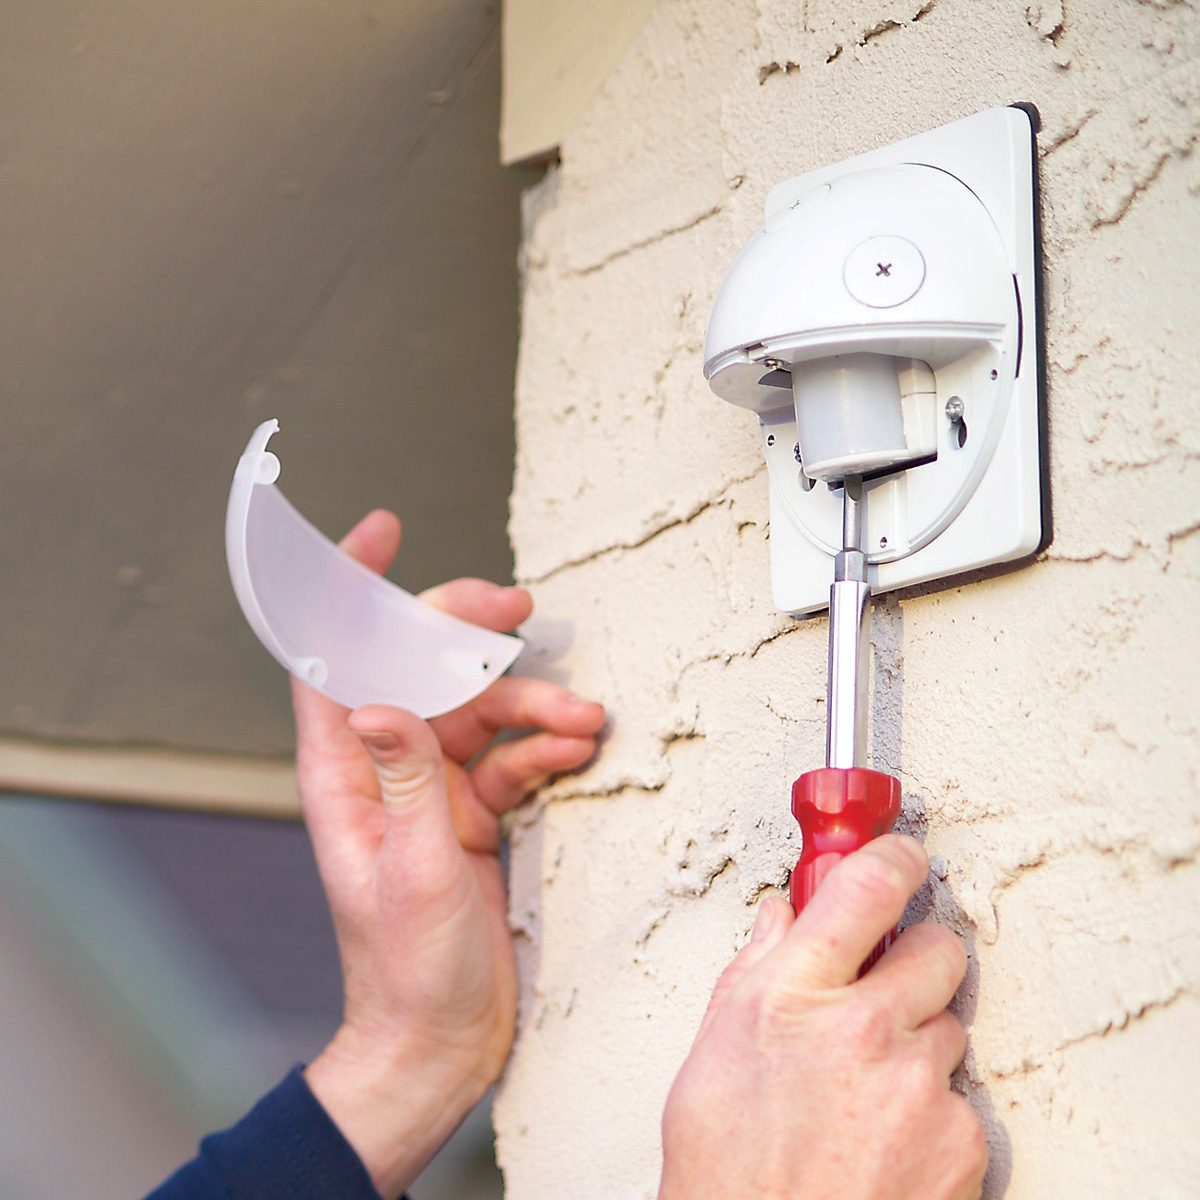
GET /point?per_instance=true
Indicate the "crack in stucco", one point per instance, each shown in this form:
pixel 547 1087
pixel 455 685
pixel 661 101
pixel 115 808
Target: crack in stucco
pixel 888 24
pixel 1048 18
pixel 576 788
pixel 654 239
pixel 1081 356
pixel 706 874
pixel 766 641
pixel 682 733
pixel 1048 149
pixel 616 790
pixel 860 39
pixel 1104 554
pixel 1137 547
pixel 1032 1063
pixel 719 500
pixel 686 735
pixel 1144 182
pixel 1183 533
pixel 774 68
pixel 725 657
pixel 782 717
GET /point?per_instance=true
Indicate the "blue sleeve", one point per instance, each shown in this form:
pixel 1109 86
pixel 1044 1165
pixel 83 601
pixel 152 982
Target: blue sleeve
pixel 286 1148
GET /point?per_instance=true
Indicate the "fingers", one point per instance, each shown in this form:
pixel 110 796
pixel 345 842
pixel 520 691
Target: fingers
pixel 966 1149
pixel 374 542
pixel 516 703
pixel 482 603
pixel 511 770
pixel 919 974
pixel 412 786
pixel 512 703
pixel 774 919
pixel 858 902
pixel 944 1040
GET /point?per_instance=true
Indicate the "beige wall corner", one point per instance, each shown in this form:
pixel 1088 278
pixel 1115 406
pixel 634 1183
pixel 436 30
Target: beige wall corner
pixel 556 53
pixel 1043 722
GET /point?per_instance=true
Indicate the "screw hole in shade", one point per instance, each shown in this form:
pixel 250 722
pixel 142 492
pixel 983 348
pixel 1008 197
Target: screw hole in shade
pixel 268 468
pixel 314 671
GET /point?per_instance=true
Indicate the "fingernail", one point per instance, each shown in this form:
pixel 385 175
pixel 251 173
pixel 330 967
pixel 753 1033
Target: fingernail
pixel 380 739
pixel 574 698
pixel 764 921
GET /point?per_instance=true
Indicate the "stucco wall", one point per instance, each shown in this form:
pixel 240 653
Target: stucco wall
pixel 1044 723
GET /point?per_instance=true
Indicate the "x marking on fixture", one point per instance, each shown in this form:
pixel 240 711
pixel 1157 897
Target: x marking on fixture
pixel 884 269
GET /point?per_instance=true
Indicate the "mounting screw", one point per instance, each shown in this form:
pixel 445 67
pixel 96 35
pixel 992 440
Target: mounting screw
pixel 955 409
pixel 995 374
pixel 883 543
pixel 796 454
pixel 770 439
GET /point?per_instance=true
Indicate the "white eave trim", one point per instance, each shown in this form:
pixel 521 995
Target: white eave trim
pixel 163 778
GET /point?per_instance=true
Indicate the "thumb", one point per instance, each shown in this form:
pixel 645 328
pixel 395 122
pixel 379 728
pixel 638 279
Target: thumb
pixel 407 758
pixel 774 919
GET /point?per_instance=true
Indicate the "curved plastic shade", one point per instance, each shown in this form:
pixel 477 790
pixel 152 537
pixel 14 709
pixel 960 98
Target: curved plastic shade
pixel 333 622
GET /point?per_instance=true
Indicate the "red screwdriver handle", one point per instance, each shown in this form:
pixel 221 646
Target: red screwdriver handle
pixel 840 809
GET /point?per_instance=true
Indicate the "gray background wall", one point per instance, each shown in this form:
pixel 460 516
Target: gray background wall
pixel 210 215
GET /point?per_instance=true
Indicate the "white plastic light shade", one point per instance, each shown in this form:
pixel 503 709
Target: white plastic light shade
pixel 337 625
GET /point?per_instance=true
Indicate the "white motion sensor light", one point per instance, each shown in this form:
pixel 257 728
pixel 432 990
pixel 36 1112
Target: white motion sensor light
pixel 882 324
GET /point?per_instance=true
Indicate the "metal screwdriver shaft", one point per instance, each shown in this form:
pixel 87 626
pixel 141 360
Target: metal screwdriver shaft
pixel 843 805
pixel 849 638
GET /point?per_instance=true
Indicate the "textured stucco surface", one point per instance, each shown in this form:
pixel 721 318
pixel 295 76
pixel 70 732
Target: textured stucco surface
pixel 1044 723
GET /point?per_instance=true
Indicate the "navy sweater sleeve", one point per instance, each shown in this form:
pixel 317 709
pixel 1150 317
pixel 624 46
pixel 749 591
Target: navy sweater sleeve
pixel 286 1148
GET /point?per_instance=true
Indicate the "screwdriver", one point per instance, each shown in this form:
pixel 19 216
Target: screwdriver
pixel 843 805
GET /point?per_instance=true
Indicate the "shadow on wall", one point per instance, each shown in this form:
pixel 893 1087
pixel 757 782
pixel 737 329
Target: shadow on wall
pixel 526 845
pixel 935 901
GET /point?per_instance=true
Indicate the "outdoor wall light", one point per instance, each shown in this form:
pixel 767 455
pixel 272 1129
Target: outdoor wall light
pixel 883 324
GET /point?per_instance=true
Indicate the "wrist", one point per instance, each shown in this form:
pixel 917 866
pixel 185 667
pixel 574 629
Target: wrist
pixel 396 1104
